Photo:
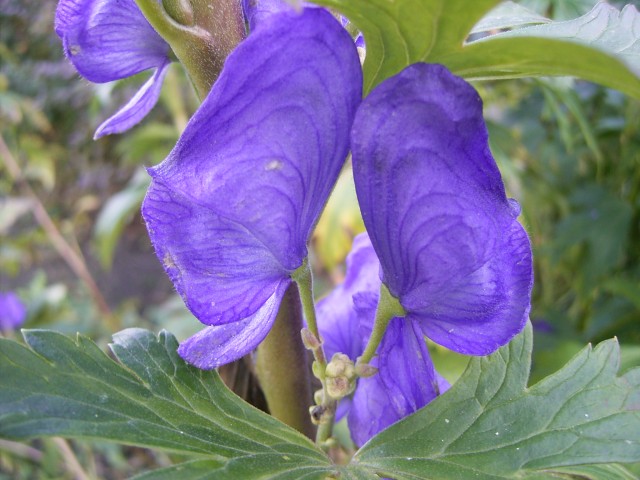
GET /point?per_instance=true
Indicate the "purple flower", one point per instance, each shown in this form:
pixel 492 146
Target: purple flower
pixel 434 205
pixel 109 40
pixel 231 208
pixel 406 380
pixel 255 11
pixel 12 311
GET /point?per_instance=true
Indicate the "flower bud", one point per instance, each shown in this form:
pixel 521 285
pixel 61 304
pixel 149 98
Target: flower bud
pixel 317 413
pixel 365 370
pixel 316 368
pixel 310 341
pixel 340 376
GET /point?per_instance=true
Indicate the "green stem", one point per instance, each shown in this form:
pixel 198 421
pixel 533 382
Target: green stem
pixel 282 368
pixel 304 279
pixel 388 308
pixel 214 29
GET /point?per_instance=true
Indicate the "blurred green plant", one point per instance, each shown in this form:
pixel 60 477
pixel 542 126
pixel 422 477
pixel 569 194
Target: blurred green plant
pixel 569 151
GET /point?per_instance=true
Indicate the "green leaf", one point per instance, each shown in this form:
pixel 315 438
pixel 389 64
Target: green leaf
pixel 489 425
pixel 508 15
pixel 152 398
pixel 401 32
pixel 601 46
pixel 604 28
pixel 285 467
pixel 586 472
pixel 193 470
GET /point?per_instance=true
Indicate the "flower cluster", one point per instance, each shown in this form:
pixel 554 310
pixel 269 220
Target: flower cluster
pixel 405 379
pixel 231 209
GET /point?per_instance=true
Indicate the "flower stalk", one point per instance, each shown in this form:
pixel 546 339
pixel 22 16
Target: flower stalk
pixel 388 308
pixel 324 413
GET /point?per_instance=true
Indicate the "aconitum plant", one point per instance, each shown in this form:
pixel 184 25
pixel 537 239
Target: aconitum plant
pixel 444 263
pixel 230 211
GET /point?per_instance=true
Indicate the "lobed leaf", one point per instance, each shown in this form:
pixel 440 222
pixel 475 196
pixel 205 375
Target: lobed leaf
pixel 152 399
pixel 401 32
pixel 602 46
pixel 490 425
pixel 508 15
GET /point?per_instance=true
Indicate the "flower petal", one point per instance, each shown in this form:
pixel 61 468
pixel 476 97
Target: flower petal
pixel 489 306
pixel 406 381
pixel 12 311
pixel 267 144
pixel 107 39
pixel 434 205
pixel 136 108
pixel 223 273
pixel 216 346
pixel 338 319
pixel 256 11
pixel 405 367
pixel 370 410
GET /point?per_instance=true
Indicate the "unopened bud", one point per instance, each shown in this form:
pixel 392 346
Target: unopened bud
pixel 317 414
pixel 310 341
pixel 316 368
pixel 340 376
pixel 317 396
pixel 365 370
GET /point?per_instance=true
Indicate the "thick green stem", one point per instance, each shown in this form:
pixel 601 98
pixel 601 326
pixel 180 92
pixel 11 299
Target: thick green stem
pixel 201 33
pixel 388 307
pixel 282 367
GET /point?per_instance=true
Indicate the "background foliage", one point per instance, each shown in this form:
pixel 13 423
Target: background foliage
pixel 569 152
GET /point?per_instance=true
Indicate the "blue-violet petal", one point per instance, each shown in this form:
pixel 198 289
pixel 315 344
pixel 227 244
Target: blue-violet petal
pixel 216 346
pixel 136 108
pixel 108 40
pixel 231 208
pixel 435 208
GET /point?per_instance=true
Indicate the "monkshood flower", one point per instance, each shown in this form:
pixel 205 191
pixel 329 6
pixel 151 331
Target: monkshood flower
pixel 231 208
pixel 108 40
pixel 12 311
pixel 433 202
pixel 406 379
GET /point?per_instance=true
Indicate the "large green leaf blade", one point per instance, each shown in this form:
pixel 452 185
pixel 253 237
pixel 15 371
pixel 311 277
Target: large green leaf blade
pixel 602 46
pixel 585 472
pixel 508 15
pixel 401 32
pixel 489 425
pixel 604 28
pixel 152 398
pixel 249 468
